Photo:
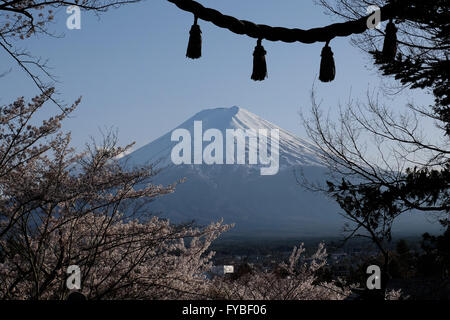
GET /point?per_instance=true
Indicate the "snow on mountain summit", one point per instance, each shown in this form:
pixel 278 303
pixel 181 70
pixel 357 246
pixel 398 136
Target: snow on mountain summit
pixel 293 150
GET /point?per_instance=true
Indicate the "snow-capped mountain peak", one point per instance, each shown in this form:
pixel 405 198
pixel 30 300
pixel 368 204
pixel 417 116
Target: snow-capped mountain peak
pixel 292 149
pixel 260 205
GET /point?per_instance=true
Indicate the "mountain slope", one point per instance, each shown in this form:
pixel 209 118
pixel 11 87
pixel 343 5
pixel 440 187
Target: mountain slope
pixel 258 205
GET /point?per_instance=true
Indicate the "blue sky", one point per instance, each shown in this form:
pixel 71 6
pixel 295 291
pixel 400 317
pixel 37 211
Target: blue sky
pixel 129 65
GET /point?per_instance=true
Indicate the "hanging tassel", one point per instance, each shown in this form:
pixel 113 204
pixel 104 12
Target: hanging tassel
pixel 390 42
pixel 259 62
pixel 194 49
pixel 327 66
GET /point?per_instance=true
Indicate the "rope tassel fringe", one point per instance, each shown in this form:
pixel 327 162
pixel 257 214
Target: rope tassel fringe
pixel 390 42
pixel 194 49
pixel 259 62
pixel 327 66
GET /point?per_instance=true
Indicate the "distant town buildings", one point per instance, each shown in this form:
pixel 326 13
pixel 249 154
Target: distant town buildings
pixel 222 270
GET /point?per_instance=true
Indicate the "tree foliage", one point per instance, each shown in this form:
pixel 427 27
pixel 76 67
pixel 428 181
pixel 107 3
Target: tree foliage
pixel 60 208
pixel 410 170
pixel 382 163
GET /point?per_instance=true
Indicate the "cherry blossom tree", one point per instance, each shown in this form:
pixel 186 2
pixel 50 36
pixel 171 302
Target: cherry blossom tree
pixel 291 280
pixel 60 208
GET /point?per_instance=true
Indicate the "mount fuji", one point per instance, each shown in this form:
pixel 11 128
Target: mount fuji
pixel 260 206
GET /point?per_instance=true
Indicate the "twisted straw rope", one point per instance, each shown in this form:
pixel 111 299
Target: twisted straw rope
pixel 262 31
